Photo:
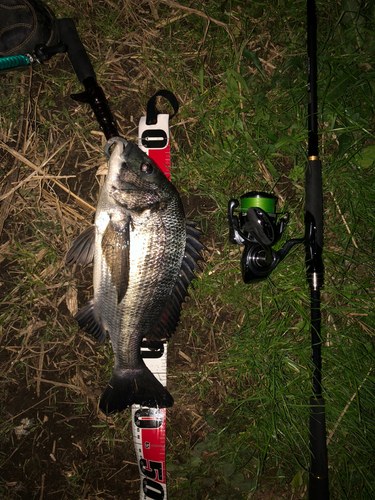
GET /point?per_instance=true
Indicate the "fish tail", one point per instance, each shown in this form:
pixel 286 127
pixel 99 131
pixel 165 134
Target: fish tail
pixel 134 386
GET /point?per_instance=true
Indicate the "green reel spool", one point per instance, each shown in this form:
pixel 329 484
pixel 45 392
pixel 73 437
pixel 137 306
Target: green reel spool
pixel 258 199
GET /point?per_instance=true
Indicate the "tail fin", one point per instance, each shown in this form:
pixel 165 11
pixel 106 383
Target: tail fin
pixel 129 387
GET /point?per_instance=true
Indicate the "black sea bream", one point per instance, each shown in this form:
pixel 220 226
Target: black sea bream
pixel 145 253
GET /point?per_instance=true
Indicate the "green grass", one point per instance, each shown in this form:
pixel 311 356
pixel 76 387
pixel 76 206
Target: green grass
pixel 248 119
pixel 241 127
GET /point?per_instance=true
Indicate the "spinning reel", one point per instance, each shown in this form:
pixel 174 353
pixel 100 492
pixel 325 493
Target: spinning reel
pixel 258 227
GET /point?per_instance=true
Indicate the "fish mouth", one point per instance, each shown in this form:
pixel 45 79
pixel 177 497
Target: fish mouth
pixel 120 144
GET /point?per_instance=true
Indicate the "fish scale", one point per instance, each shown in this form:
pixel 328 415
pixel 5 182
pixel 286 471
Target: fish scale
pixel 130 316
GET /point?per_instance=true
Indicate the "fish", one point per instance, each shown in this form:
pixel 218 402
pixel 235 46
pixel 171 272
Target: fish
pixel 145 254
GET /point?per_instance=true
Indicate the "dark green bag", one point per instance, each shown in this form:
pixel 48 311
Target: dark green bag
pixel 25 24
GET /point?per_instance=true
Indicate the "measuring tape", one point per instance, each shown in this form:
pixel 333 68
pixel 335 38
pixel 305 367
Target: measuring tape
pixel 154 141
pixel 149 424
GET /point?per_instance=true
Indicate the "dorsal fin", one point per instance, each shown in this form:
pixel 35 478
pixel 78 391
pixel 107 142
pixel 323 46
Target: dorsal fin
pixel 171 314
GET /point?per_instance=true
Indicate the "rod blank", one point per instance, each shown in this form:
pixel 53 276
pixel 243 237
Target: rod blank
pixel 318 476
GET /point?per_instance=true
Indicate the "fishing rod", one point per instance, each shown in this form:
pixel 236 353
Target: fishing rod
pixel 318 475
pixel 258 228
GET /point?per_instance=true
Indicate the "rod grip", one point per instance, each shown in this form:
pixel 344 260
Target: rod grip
pixel 314 224
pixel 76 51
pixel 314 196
pixel 318 481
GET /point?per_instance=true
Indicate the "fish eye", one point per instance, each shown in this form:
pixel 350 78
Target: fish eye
pixel 147 168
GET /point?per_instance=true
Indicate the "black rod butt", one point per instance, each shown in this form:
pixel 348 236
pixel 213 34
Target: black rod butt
pixel 318 478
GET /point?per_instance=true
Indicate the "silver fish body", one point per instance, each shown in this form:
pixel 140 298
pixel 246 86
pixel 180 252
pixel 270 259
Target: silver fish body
pixel 144 258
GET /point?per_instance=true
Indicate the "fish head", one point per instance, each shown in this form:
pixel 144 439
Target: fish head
pixel 135 181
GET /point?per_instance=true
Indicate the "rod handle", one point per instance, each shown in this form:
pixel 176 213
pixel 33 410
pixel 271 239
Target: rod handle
pixel 314 224
pixel 76 51
pixel 318 481
pixel 314 196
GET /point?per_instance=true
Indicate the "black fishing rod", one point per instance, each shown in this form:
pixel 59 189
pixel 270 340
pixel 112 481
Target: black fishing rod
pixel 318 480
pixel 258 227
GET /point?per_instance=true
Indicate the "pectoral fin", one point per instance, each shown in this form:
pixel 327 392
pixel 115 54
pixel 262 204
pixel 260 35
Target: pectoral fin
pixel 116 250
pixel 82 249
